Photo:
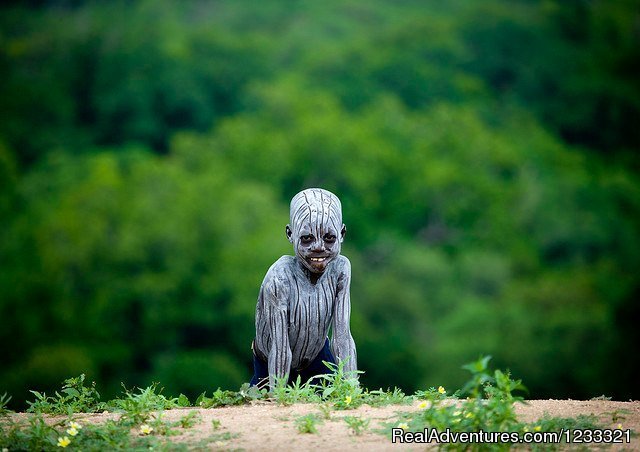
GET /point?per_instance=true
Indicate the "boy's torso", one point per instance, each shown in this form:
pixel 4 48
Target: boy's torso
pixel 309 309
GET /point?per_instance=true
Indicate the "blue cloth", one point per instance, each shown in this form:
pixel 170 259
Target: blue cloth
pixel 315 367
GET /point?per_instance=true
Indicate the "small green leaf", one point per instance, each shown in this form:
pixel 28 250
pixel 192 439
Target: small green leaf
pixel 200 398
pixel 183 401
pixel 71 392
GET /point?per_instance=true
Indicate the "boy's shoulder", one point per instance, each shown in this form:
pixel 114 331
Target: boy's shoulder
pixel 342 263
pixel 285 261
pixel 282 267
pixel 277 281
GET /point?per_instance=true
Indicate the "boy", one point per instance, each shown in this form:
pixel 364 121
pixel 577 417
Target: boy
pixel 302 296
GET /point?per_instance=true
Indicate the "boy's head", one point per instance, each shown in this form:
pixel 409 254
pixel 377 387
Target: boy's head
pixel 316 228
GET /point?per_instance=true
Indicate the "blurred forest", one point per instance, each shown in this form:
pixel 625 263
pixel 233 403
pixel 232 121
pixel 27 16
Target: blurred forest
pixel 486 154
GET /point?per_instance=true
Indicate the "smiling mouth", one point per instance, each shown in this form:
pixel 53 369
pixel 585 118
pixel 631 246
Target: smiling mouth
pixel 317 259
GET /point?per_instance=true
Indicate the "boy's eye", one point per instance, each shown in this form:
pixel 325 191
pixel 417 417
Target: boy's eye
pixel 306 238
pixel 329 238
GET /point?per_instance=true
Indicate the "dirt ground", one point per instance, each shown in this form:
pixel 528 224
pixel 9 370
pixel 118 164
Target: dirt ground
pixel 267 426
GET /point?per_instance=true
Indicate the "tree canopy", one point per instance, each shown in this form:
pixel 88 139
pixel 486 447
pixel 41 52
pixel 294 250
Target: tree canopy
pixel 485 154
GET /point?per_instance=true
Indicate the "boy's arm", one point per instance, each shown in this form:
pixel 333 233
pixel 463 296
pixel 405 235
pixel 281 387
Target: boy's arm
pixel 342 344
pixel 276 297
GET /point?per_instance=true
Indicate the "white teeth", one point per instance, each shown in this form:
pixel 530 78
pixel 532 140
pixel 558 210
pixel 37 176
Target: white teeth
pixel 317 259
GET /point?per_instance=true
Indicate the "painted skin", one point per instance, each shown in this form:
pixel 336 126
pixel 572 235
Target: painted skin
pixel 316 247
pixel 302 296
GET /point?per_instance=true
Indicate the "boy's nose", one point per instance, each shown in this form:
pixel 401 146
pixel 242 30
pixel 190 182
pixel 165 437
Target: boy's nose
pixel 318 245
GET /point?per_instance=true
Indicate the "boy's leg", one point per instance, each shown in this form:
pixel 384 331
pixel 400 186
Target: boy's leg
pixel 260 370
pixel 317 367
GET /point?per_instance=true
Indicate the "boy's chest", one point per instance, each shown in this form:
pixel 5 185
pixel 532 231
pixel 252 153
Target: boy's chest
pixel 311 304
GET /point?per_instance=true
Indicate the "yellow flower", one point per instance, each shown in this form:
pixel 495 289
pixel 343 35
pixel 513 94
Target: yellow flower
pixel 619 426
pixel 469 415
pixel 72 431
pixel 347 399
pixel 441 389
pixel 423 405
pixel 63 441
pixel 537 428
pixel 457 413
pixel 403 425
pixel 145 429
pixel 525 429
pixel 75 425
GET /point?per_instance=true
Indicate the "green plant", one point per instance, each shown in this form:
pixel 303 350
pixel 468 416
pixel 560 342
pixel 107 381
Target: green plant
pixel 36 434
pixel 297 392
pixel 325 410
pixel 496 411
pixel 356 424
pixel 479 377
pixel 379 397
pixel 110 435
pixel 434 394
pixel 137 406
pixel 4 401
pixel 493 412
pixel 183 401
pixel 221 397
pixel 190 419
pixel 617 415
pixel 140 426
pixel 489 408
pixel 340 387
pixel 220 441
pixel 74 397
pixel 307 423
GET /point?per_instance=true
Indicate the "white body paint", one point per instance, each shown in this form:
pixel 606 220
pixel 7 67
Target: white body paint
pixel 305 295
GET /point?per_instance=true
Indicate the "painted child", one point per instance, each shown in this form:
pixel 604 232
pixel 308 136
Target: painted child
pixel 305 295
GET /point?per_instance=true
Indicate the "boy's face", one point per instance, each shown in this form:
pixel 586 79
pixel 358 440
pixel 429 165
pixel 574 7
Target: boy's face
pixel 316 243
pixel 316 230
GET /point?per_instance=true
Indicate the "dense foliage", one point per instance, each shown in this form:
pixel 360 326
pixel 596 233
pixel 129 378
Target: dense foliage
pixel 485 153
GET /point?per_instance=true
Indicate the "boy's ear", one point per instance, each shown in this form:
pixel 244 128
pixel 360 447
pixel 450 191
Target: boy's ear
pixel 343 232
pixel 289 233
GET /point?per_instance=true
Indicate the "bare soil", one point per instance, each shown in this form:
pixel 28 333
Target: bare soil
pixel 265 426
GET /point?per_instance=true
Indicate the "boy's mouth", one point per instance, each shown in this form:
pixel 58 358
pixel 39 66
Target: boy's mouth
pixel 317 259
